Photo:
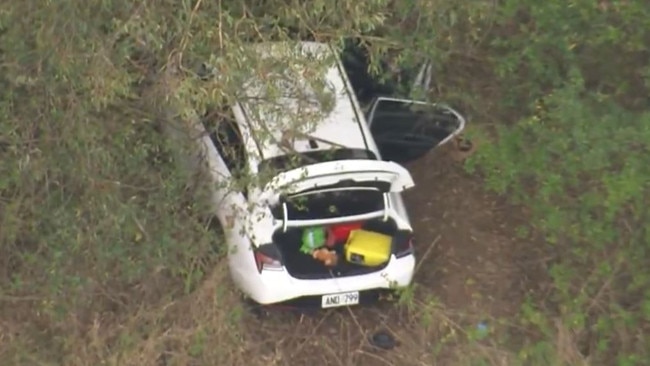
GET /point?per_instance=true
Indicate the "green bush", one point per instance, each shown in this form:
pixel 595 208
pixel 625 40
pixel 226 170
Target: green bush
pixel 578 157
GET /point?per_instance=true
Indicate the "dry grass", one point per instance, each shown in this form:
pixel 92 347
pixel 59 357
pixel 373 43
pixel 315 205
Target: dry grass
pixel 210 327
pixel 203 327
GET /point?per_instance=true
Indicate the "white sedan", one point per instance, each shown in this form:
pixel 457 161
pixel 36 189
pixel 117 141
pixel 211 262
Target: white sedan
pixel 316 216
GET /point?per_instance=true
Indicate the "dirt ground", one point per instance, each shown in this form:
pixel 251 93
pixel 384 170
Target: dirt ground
pixel 472 268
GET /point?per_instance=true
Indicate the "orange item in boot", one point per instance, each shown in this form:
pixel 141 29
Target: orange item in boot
pixel 328 257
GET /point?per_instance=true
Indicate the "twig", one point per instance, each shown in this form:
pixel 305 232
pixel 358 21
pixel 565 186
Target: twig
pixel 11 298
pixel 185 37
pixel 383 360
pixel 356 321
pixel 220 29
pixel 334 353
pixel 594 301
pixel 311 137
pixel 313 332
pixel 141 228
pixel 426 254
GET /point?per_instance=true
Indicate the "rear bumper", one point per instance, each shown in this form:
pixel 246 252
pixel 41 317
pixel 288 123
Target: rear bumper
pixel 277 287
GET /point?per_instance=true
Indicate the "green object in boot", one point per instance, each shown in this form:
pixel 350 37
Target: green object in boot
pixel 312 239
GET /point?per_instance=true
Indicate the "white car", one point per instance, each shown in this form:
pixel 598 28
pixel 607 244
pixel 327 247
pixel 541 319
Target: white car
pixel 345 169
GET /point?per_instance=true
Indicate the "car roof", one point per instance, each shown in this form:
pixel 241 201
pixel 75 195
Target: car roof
pixel 300 110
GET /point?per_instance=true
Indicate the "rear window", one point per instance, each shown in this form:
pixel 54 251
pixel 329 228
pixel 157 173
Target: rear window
pixel 331 203
pixel 286 162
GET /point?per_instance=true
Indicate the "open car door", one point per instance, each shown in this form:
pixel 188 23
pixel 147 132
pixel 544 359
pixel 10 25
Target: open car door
pixel 406 130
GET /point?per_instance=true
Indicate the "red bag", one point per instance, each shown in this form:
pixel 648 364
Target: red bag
pixel 340 232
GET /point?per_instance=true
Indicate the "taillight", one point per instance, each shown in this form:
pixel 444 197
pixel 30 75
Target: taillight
pixel 268 257
pixel 403 244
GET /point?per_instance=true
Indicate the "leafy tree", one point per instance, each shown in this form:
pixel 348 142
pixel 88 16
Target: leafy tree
pixel 579 159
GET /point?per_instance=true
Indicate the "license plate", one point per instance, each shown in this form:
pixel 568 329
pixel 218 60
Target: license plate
pixel 342 299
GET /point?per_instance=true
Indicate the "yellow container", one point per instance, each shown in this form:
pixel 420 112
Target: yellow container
pixel 368 248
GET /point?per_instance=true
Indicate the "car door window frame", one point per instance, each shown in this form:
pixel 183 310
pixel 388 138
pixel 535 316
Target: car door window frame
pixel 227 137
pixel 371 120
